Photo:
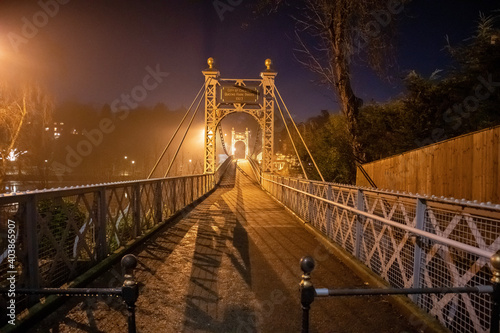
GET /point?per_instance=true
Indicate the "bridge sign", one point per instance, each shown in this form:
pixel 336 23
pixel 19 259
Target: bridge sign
pixel 239 94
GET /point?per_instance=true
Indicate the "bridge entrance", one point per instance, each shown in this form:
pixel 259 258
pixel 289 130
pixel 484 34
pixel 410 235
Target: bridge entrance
pixel 226 96
pixel 239 138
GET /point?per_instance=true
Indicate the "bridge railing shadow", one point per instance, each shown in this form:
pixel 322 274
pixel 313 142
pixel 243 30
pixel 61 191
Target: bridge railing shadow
pixel 49 238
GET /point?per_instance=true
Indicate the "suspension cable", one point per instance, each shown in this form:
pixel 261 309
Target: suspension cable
pixel 175 133
pixel 185 133
pixel 293 144
pixel 303 142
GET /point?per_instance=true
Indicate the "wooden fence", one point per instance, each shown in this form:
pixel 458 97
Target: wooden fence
pixel 465 167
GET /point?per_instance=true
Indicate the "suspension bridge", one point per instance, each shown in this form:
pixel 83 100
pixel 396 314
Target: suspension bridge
pixel 220 251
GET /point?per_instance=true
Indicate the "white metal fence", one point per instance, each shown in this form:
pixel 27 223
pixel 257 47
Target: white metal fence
pixel 409 240
pixel 61 233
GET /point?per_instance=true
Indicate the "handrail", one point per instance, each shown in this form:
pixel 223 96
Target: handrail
pixel 442 240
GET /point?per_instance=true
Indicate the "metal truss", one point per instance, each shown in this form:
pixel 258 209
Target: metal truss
pixel 215 111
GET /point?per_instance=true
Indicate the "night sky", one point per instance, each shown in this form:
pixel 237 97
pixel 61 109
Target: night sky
pixel 93 51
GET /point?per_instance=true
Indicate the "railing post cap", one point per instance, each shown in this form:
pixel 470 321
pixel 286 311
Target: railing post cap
pixel 495 263
pixel 129 262
pixel 307 264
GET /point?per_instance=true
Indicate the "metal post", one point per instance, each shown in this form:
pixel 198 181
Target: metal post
pixel 417 256
pixel 158 201
pixel 136 212
pixel 130 289
pixel 172 185
pixel 495 296
pixel 328 217
pixel 281 189
pixel 307 291
pixel 101 225
pixel 31 241
pixel 310 206
pixel 360 204
pixel 192 188
pixel 184 190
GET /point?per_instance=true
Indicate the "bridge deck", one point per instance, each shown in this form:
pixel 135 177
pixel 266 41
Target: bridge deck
pixel 232 265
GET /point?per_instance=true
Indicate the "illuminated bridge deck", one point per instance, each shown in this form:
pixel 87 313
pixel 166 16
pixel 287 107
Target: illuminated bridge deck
pixel 232 265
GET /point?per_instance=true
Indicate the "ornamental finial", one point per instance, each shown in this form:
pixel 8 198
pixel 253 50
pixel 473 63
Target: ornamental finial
pixel 495 263
pixel 268 64
pixel 211 62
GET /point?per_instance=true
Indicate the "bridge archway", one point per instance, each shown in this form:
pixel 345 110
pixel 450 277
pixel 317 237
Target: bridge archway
pixel 226 96
pixel 239 137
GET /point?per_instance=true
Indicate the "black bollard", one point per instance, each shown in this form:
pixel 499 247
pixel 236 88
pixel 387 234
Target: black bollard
pixel 495 296
pixel 307 291
pixel 130 289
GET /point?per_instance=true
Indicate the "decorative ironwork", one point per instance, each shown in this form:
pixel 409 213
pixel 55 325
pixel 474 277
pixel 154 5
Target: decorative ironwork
pixel 61 233
pixel 411 241
pixel 216 109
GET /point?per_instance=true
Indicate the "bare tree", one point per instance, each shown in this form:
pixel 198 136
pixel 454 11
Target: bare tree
pixel 333 34
pixel 24 114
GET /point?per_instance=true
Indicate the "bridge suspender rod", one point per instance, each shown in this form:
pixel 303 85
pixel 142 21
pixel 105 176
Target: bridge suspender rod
pixel 303 142
pixel 185 133
pixel 293 144
pixel 175 133
pixel 222 139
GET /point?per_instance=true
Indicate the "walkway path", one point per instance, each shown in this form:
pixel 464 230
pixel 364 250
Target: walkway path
pixel 232 265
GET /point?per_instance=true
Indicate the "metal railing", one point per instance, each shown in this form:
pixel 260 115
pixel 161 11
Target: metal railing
pixel 50 237
pixel 308 292
pixel 129 291
pixel 411 241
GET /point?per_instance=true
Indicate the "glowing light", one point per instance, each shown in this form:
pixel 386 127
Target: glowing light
pixel 133 162
pixel 14 155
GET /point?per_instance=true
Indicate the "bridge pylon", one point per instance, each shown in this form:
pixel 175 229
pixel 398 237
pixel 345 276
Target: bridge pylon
pixel 226 96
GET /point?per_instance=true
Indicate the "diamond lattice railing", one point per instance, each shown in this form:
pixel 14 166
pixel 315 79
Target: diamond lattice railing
pixel 402 258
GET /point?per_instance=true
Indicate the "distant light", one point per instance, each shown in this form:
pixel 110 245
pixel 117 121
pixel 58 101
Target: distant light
pixel 133 162
pixel 46 161
pixel 125 157
pixel 14 154
pixel 47 128
pixel 189 161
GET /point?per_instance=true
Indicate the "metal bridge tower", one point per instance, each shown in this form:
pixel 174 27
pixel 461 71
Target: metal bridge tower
pixel 226 96
pixel 239 137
